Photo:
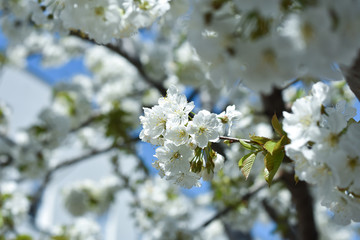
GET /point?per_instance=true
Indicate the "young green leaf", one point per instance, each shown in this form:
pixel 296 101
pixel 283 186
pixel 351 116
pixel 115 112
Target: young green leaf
pixel 246 163
pixel 282 142
pixel 272 164
pixel 259 140
pixel 277 125
pixel 247 145
pixel 270 146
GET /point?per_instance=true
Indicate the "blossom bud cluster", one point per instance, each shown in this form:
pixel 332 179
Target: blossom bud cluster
pixel 323 150
pixel 185 153
pixel 90 196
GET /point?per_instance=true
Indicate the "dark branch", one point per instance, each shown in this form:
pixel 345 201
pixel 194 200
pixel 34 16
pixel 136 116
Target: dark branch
pixel 284 227
pixel 7 140
pixel 230 208
pixel 37 196
pixel 133 60
pixel 86 123
pixel 303 201
pixel 352 76
pixel 300 193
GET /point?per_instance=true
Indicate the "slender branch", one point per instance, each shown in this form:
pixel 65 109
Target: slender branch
pixel 37 196
pixel 290 83
pixel 232 207
pixel 232 140
pixel 87 122
pixel 7 140
pixel 134 61
pixel 286 229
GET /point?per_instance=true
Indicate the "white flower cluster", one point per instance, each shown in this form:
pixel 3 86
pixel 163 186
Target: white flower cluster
pixel 81 229
pixel 324 151
pixel 91 196
pixel 101 20
pixel 184 155
pixel 161 212
pixel 54 52
pixel 266 44
pixel 14 206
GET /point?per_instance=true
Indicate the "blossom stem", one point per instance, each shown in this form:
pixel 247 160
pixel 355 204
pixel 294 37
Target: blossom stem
pixel 232 140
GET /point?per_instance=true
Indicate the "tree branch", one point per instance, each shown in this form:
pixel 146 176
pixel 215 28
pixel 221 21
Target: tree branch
pixel 7 140
pixel 300 193
pixel 285 228
pixel 226 210
pixel 132 60
pixel 87 122
pixel 37 196
pixel 352 76
pixel 303 201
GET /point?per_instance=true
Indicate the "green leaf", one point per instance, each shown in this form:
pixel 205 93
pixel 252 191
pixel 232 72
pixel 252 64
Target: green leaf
pixel 259 140
pixel 282 142
pixel 246 163
pixel 247 145
pixel 242 159
pixel 272 164
pixel 277 125
pixel 270 146
pixel 273 146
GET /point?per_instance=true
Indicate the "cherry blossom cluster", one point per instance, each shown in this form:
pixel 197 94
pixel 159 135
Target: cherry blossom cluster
pixel 81 229
pixel 168 221
pixel 185 154
pixel 101 20
pixel 14 206
pixel 254 41
pixel 324 151
pixel 90 196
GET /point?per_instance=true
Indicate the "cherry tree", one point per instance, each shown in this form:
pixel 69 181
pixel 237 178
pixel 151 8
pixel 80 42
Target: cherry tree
pixel 253 97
